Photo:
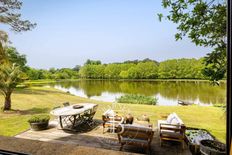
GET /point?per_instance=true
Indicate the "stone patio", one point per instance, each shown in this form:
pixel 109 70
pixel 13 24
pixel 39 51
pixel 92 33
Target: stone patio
pixel 92 136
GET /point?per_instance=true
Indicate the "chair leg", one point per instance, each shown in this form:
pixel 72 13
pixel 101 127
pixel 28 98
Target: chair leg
pixel 103 127
pixel 121 147
pixel 160 142
pixel 183 145
pixel 149 150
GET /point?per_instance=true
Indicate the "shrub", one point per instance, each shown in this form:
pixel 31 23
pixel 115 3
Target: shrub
pixel 39 118
pixel 137 99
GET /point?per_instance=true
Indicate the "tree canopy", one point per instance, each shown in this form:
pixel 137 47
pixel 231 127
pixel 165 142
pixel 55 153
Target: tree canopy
pixel 173 69
pixel 204 22
pixel 9 15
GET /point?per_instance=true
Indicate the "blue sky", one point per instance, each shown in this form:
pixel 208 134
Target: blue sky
pixel 69 32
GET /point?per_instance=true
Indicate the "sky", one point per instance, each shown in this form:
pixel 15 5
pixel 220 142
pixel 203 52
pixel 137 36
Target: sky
pixel 70 32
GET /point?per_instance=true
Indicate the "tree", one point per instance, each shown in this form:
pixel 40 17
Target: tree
pixel 123 74
pixel 10 76
pixel 168 69
pixel 10 16
pixel 181 69
pixel 112 71
pixel 3 40
pixel 77 68
pixel 204 22
pixel 133 73
pixel 10 73
pixel 147 70
pixel 15 57
pixel 92 62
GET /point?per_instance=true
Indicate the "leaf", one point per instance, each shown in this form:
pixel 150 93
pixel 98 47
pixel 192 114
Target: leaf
pixel 160 16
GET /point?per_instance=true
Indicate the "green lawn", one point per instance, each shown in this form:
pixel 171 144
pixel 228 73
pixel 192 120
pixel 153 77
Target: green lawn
pixel 35 100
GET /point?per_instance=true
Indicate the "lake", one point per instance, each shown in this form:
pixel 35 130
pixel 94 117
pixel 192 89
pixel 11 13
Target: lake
pixel 168 92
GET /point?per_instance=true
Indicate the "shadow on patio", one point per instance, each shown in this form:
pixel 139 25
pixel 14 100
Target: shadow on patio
pixel 94 137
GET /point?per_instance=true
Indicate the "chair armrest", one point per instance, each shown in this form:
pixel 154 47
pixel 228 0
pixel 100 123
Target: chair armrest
pixel 172 127
pixel 168 124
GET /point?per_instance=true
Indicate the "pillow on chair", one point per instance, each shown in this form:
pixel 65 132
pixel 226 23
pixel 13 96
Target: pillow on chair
pixel 174 121
pixel 170 118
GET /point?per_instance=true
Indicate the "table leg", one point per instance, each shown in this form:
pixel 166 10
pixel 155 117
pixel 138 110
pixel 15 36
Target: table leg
pixel 60 119
pixel 74 121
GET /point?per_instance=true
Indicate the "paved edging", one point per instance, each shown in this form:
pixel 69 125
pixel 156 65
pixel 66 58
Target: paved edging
pixel 35 147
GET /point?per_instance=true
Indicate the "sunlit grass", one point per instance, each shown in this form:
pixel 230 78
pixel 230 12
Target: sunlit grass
pixel 38 100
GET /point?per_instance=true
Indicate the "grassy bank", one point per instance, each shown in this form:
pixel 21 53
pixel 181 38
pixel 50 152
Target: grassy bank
pixel 44 81
pixel 36 100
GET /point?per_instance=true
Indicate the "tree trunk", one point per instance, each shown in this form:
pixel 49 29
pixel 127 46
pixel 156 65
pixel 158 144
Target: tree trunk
pixel 7 104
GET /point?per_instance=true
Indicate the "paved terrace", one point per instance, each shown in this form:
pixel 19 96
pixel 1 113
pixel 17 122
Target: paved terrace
pixel 93 137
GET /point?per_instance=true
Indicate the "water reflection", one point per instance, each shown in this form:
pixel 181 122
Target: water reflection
pixel 167 92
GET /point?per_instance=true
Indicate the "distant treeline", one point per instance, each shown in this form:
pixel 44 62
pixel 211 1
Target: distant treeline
pixel 144 69
pixel 136 69
pixel 52 73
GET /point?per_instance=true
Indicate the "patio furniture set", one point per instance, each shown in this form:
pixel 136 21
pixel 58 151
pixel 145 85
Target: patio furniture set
pixel 71 116
pixel 140 132
pixel 137 132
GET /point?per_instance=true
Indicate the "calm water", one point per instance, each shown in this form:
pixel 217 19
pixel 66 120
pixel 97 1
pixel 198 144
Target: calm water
pixel 167 92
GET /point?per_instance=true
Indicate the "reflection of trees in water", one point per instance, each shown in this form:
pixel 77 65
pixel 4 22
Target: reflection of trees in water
pixel 168 89
pixel 203 91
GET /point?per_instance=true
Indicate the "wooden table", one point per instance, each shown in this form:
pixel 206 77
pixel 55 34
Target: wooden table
pixel 69 116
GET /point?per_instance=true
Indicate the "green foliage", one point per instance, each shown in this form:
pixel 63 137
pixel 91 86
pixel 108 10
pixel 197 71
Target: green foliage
pixel 92 62
pixel 15 57
pixel 137 99
pixel 9 15
pixel 92 71
pixel 181 69
pixel 77 68
pixel 215 68
pixel 146 69
pixel 124 75
pixel 63 73
pixel 204 22
pixel 10 76
pixel 39 118
pixel 133 73
pixel 112 71
pixel 138 61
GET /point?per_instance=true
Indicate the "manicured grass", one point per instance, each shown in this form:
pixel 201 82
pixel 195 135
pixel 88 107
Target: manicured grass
pixel 44 81
pixel 40 100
